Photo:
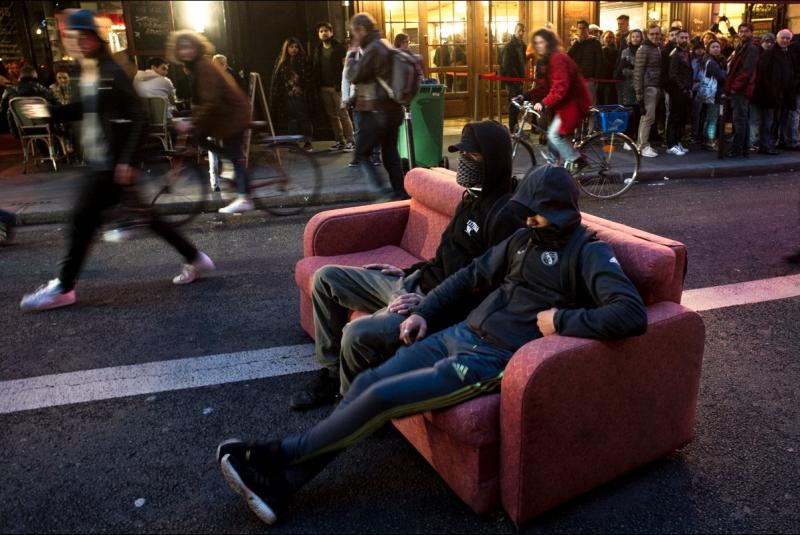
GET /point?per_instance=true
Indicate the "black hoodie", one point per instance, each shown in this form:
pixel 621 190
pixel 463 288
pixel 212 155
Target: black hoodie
pixel 524 275
pixel 481 221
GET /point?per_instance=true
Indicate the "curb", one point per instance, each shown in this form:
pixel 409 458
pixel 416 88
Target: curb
pixel 723 168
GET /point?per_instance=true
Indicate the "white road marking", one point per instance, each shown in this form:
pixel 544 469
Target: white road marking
pixel 138 379
pixel 743 293
pixel 163 376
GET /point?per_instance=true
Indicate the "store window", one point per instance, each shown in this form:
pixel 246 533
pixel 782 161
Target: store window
pixel 403 17
pixel 501 18
pixel 447 43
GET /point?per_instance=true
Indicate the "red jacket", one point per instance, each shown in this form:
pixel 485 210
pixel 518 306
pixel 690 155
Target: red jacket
pixel 562 88
pixel 742 70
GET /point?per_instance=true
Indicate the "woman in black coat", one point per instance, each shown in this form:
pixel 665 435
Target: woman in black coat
pixel 291 89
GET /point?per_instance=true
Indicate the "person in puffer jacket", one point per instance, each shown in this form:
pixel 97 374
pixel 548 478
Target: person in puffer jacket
pixel 535 292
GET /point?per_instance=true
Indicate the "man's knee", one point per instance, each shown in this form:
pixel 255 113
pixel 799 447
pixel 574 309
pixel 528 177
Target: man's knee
pixel 325 278
pixel 366 341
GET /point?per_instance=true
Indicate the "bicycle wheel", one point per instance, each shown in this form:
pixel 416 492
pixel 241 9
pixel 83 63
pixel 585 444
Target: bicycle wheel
pixel 284 179
pixel 613 165
pixel 177 194
pixel 522 158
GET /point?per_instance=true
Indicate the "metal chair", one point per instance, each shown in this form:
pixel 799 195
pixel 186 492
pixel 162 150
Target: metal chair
pixel 31 131
pixel 157 116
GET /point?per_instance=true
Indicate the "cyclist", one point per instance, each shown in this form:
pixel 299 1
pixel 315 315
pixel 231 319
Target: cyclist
pixel 219 108
pixel 559 86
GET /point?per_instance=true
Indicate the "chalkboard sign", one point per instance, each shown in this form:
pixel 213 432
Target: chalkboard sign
pixel 149 25
pixel 10 42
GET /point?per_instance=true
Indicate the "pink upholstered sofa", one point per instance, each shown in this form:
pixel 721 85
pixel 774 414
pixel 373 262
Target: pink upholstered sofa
pixel 572 413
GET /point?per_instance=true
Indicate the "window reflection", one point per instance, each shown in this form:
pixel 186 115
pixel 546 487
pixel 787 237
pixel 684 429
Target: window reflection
pixel 447 43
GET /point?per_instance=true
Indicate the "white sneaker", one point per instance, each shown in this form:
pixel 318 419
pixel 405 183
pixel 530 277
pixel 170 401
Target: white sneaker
pixel 337 146
pixel 239 205
pixel 349 147
pixel 675 151
pixel 648 152
pixel 202 264
pixel 118 235
pixel 47 296
pixel 683 149
pixel 625 146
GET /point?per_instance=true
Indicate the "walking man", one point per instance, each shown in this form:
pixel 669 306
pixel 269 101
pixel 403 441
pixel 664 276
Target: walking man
pixel 328 59
pixel 113 123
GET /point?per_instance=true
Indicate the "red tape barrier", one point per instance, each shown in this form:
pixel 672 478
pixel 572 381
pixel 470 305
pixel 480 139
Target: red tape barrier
pixel 497 77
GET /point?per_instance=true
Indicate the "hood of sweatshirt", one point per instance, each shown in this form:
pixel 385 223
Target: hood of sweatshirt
pixel 552 192
pixel 492 140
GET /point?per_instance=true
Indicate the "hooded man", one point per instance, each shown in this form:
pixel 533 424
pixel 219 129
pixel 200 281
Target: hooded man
pixel 481 220
pixel 548 278
pixel 113 120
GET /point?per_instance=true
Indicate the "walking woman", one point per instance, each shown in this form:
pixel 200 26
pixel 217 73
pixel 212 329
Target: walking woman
pixel 560 87
pixel 624 72
pixel 713 67
pixel 290 89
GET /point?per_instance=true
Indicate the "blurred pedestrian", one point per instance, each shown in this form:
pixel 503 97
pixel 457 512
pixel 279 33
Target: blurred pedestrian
pixel 587 53
pixel 513 65
pixel 713 66
pixel 647 83
pixel 679 88
pixel 349 102
pixel 220 109
pixel 607 91
pixel 624 72
pixel 112 129
pixel 774 91
pixel 381 122
pixel 328 60
pixel 291 88
pixel 740 86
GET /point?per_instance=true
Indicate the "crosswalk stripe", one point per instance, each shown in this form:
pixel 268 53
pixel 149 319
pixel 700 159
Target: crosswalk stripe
pixel 162 376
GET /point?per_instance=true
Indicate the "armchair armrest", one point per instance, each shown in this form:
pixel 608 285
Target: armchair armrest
pixel 360 228
pixel 576 413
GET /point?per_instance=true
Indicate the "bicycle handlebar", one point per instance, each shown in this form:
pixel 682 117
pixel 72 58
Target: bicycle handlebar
pixel 525 105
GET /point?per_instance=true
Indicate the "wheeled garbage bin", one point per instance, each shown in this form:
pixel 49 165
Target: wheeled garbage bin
pixel 425 136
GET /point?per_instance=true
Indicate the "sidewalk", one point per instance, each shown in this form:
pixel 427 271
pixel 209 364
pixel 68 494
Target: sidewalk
pixel 42 196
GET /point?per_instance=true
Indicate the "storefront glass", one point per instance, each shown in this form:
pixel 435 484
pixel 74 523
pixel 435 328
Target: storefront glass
pixel 447 36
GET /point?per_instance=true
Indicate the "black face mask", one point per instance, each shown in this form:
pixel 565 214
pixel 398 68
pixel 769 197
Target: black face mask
pixel 548 236
pixel 470 174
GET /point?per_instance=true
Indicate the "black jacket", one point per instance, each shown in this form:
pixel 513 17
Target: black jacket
pixel 588 55
pixel 123 117
pixel 681 75
pixel 513 58
pixel 775 81
pixel 525 277
pixel 479 222
pixel 338 54
pixel 376 62
pixel 26 87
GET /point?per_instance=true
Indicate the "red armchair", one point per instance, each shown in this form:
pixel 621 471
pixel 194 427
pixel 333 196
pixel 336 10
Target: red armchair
pixel 572 413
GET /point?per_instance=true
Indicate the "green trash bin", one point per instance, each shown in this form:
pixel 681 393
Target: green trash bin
pixel 427 125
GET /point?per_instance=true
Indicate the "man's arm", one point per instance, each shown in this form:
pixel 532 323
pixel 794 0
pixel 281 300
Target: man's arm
pixel 620 311
pixel 363 70
pixel 483 273
pixel 639 65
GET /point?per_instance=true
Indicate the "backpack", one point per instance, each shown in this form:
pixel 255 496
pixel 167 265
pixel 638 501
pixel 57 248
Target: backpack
pixel 406 77
pixel 707 90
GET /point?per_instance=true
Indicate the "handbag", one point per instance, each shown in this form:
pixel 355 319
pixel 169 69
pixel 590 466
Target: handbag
pixel 707 90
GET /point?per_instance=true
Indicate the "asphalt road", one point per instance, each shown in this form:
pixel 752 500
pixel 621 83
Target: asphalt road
pixel 81 468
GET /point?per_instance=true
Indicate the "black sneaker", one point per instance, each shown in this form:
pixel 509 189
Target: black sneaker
pixel 353 163
pixel 264 487
pixel 323 390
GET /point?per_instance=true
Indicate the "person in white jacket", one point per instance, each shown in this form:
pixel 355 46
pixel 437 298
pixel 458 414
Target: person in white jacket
pixel 348 100
pixel 154 83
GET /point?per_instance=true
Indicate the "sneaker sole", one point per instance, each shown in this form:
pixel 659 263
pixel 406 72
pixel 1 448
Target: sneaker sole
pixel 223 444
pixel 256 504
pixel 29 308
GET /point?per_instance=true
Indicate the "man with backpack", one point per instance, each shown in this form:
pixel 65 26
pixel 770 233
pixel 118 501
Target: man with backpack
pixel 552 277
pixel 483 218
pixel 377 76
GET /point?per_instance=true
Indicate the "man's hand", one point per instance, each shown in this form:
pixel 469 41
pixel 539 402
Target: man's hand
pixel 386 269
pixel 545 321
pixel 538 107
pixel 124 174
pixel 402 305
pixel 413 329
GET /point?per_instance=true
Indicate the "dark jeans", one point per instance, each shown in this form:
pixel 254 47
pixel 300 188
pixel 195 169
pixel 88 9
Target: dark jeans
pixel 444 369
pixel 740 109
pixel 232 149
pixel 514 89
pixel 698 109
pixel 99 192
pixel 376 152
pixel 676 121
pixel 297 111
pixel 381 129
pixel 769 129
pixel 634 117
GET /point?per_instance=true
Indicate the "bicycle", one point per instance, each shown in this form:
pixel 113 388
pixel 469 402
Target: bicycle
pixel 284 179
pixel 612 157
